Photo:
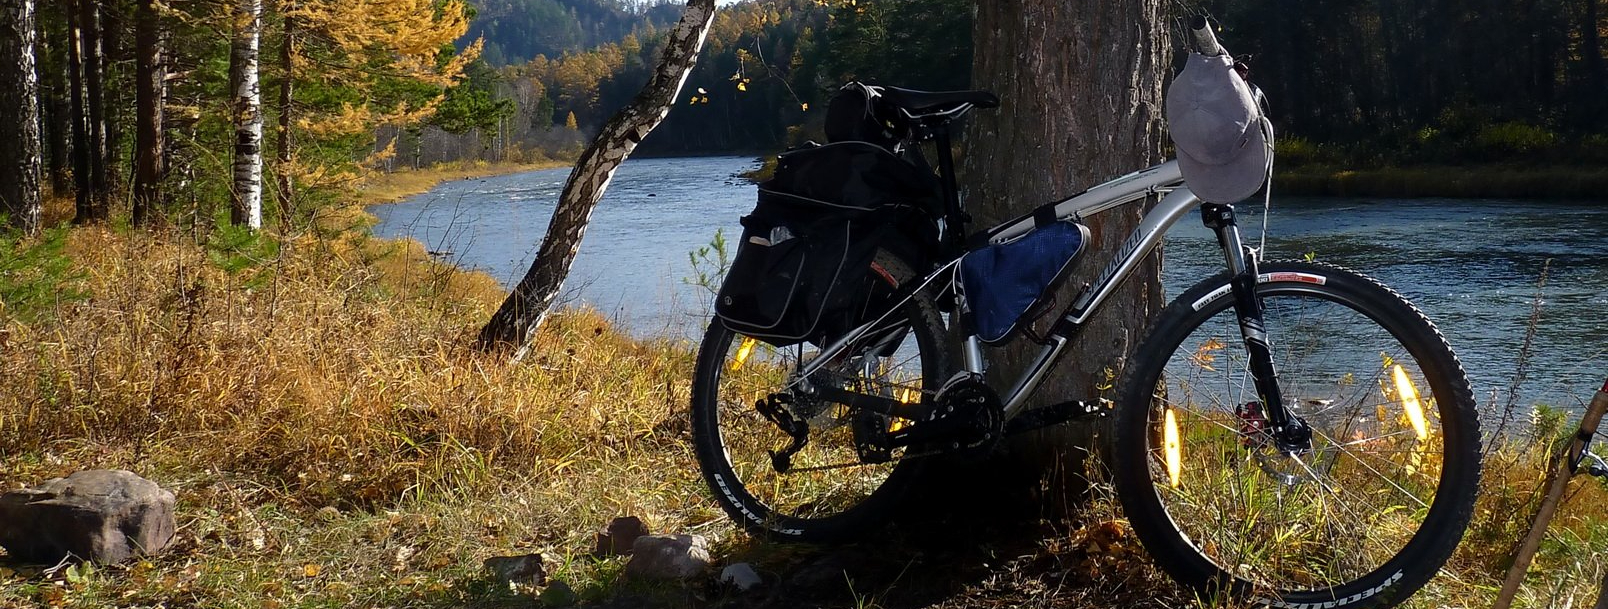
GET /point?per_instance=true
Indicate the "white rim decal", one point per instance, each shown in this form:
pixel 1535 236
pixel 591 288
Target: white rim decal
pixel 1263 278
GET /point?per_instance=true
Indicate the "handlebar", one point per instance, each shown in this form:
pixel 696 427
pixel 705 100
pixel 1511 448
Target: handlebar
pixel 1205 42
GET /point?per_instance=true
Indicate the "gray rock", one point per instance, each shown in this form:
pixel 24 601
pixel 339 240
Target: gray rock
pixel 616 539
pixel 668 557
pixel 525 569
pixel 105 516
pixel 740 576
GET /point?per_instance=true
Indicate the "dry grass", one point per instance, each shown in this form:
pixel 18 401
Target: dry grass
pixel 334 376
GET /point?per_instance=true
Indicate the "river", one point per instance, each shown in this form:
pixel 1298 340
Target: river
pixel 1471 265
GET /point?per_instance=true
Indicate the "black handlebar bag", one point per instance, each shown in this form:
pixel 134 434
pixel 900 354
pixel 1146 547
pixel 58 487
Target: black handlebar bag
pixel 803 266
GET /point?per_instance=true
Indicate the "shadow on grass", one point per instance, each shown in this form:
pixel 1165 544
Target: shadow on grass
pixel 978 535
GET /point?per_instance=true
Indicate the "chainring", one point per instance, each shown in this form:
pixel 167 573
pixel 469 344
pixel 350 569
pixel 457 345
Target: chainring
pixel 976 410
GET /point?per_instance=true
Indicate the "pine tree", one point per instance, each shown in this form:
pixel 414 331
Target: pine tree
pixel 408 39
pixel 1070 56
pixel 569 122
pixel 150 74
pixel 96 202
pixel 287 98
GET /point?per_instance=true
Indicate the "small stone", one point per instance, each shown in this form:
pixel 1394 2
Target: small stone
pixel 668 557
pixel 616 539
pixel 557 594
pixel 740 576
pixel 526 569
pixel 104 516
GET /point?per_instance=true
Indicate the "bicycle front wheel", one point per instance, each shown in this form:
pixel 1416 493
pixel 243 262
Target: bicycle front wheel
pixel 828 490
pixel 1362 518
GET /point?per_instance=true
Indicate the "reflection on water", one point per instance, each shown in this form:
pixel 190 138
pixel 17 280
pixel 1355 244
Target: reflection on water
pixel 1471 265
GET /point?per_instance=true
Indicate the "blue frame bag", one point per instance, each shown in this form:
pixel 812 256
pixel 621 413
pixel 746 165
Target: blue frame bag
pixel 1004 283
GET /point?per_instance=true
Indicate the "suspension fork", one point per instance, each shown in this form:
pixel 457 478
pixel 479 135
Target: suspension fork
pixel 1289 432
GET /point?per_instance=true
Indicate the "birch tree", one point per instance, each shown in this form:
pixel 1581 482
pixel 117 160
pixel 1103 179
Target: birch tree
pixel 525 308
pixel 245 205
pixel 19 117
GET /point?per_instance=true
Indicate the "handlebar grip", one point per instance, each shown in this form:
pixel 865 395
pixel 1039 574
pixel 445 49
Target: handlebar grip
pixel 1205 42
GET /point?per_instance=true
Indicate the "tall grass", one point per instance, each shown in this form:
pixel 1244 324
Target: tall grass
pixel 331 372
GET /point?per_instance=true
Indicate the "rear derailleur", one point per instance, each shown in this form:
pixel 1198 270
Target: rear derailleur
pixel 774 408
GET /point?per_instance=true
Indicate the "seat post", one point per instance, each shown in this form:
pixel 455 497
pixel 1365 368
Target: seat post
pixel 955 218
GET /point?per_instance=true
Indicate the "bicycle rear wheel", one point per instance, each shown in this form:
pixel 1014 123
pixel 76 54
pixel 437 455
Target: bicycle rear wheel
pixel 1362 519
pixel 828 492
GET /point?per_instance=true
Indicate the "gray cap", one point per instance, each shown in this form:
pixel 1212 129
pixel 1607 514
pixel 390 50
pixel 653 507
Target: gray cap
pixel 1223 149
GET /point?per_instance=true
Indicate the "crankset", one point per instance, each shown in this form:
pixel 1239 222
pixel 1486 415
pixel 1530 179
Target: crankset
pixel 966 416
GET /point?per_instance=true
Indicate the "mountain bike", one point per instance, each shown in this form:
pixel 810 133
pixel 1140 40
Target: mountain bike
pixel 1290 431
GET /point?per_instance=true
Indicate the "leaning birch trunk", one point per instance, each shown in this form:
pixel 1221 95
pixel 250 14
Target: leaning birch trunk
pixel 245 204
pixel 19 118
pixel 516 321
pixel 149 76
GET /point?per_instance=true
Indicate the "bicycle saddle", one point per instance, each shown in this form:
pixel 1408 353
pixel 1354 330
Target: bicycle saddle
pixel 937 102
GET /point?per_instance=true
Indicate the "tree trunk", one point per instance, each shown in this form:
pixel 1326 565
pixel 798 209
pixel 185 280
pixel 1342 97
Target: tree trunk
pixel 54 109
pixel 112 87
pixel 19 118
pixel 84 206
pixel 245 204
pixel 94 109
pixel 149 75
pixel 516 321
pixel 287 83
pixel 1081 85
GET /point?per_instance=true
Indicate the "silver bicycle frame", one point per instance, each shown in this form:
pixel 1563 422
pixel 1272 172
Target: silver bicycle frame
pixel 1176 201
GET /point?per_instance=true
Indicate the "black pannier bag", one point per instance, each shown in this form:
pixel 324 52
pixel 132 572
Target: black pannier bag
pixel 803 266
pixel 1005 283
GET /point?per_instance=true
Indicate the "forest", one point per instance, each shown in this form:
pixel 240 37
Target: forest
pixel 155 99
pixel 1355 83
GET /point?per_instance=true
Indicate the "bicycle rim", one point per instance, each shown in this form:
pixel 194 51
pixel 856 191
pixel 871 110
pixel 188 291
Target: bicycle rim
pixel 1347 510
pixel 828 492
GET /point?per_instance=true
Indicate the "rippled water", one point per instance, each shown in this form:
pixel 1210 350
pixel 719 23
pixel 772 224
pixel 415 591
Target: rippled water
pixel 1471 265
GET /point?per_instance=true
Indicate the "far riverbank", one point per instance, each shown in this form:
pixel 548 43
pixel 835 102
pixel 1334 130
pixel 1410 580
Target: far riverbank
pixel 398 185
pixel 1459 182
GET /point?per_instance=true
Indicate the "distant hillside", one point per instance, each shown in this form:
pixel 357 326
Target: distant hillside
pixel 516 31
